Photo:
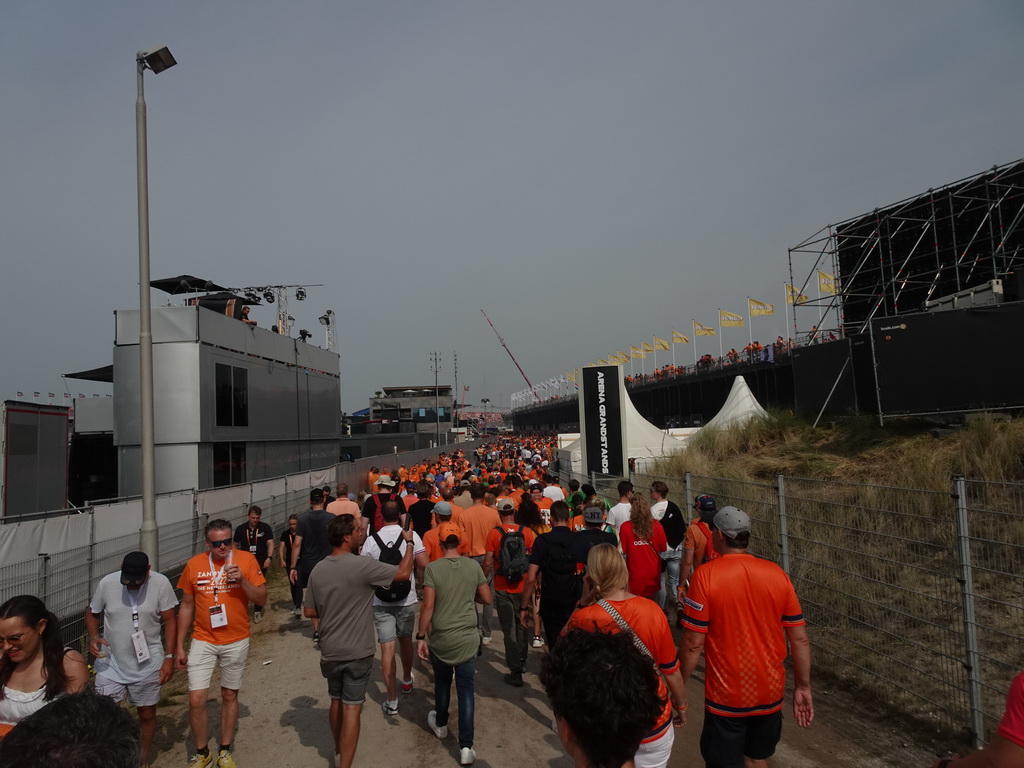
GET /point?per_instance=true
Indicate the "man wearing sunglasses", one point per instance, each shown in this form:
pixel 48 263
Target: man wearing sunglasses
pixel 217 587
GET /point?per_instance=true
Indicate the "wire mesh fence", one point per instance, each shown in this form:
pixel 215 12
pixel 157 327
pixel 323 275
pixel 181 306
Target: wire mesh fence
pixel 65 580
pixel 914 597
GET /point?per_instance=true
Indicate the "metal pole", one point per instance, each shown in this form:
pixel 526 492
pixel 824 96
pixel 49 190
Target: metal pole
pixel 780 488
pixel 972 661
pixel 148 540
pixel 689 488
pixel 44 576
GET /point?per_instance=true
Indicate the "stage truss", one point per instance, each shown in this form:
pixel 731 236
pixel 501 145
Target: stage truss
pixel 890 261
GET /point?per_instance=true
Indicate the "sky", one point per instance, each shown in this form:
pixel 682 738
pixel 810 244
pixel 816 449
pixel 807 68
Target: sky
pixel 590 173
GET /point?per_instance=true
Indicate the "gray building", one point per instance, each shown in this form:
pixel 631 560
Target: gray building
pixel 412 409
pixel 233 403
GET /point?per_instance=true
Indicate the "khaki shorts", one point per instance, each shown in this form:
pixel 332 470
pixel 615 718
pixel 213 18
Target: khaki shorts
pixel 394 621
pixel 145 693
pixel 203 657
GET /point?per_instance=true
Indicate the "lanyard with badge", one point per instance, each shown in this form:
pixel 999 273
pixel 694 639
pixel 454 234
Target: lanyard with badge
pixel 248 538
pixel 218 616
pixel 138 638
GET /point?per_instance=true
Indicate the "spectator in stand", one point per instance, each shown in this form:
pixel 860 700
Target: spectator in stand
pixel 643 541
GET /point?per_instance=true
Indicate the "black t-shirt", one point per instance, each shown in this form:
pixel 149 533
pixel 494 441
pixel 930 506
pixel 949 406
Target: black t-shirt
pixel 674 525
pixel 583 541
pixel 286 539
pixel 422 516
pixel 246 539
pixel 313 530
pixel 553 552
pixel 369 510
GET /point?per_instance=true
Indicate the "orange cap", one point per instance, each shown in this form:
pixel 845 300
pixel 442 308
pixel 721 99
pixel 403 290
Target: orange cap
pixel 446 532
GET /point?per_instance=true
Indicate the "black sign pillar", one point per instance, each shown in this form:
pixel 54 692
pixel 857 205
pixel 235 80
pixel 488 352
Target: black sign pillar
pixel 602 431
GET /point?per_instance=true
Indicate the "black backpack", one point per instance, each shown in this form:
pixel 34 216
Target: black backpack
pixel 513 560
pixel 392 555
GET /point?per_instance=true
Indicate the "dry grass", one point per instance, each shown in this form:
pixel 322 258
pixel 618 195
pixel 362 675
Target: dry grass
pixel 905 453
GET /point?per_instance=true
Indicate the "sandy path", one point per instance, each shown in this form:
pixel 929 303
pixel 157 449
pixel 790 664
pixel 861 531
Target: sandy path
pixel 283 720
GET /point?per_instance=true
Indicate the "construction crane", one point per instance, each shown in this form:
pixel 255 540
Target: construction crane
pixel 505 346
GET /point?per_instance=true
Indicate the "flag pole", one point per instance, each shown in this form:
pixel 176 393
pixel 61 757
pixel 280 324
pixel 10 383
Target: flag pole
pixel 653 344
pixel 694 340
pixel 750 322
pixel 721 333
pixel 673 347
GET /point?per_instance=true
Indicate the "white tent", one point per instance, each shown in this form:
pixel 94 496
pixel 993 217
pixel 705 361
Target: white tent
pixel 645 442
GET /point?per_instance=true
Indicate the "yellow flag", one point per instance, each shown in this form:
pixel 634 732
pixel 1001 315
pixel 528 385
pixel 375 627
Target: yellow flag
pixel 729 319
pixel 702 330
pixel 571 375
pixel 678 338
pixel 602 362
pixel 623 357
pixel 638 354
pixel 793 296
pixel 646 346
pixel 826 283
pixel 661 343
pixel 759 307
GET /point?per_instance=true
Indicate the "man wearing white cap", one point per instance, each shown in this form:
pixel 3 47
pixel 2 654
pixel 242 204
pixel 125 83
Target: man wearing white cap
pixel 744 609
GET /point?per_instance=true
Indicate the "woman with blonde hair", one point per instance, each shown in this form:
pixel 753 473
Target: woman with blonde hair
pixel 643 540
pixel 608 606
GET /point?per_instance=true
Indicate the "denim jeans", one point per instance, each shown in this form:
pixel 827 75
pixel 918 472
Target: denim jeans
pixel 464 674
pixel 666 596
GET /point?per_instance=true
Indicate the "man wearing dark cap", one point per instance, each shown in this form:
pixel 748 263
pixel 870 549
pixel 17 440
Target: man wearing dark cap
pixel 697 546
pixel 310 546
pixel 372 520
pixel 740 612
pixel 130 657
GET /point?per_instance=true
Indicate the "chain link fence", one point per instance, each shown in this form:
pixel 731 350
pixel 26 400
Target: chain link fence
pixel 914 598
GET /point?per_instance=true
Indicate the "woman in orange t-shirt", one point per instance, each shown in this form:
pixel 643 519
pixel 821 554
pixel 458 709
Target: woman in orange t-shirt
pixel 605 584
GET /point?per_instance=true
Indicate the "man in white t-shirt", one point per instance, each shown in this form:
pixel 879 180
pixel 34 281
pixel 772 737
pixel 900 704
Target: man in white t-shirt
pixel 619 514
pixel 130 656
pixel 395 619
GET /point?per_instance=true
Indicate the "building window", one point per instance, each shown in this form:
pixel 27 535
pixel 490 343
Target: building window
pixel 232 399
pixel 228 464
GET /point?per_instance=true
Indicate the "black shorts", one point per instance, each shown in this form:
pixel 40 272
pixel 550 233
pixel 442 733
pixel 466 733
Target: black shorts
pixel 725 741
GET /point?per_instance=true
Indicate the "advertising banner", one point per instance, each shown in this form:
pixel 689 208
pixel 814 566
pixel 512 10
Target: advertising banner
pixel 601 420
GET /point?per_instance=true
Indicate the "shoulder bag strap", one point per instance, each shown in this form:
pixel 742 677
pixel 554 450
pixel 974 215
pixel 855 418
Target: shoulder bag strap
pixel 624 626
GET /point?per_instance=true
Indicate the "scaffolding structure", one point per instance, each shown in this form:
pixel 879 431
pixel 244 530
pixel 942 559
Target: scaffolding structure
pixel 894 259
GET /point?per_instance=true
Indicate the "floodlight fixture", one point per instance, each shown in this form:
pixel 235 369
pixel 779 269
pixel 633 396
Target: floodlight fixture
pixel 268 295
pixel 325 318
pixel 300 294
pixel 252 298
pixel 156 59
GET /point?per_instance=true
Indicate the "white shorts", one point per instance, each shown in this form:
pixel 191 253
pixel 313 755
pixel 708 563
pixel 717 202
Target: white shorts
pixel 204 656
pixel 655 754
pixel 145 693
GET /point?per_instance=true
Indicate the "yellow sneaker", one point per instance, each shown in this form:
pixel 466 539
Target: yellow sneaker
pixel 200 761
pixel 225 760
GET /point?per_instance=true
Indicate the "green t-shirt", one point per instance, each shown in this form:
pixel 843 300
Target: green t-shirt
pixel 454 638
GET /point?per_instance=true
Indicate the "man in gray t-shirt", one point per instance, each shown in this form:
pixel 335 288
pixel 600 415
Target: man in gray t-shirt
pixel 340 595
pixel 130 656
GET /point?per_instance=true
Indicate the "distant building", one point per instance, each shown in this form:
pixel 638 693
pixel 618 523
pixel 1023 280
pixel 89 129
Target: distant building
pixel 234 403
pixel 411 409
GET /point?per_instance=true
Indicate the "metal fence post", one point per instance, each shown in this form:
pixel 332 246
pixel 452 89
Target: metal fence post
pixel 689 489
pixel 780 493
pixel 44 576
pixel 92 549
pixel 972 660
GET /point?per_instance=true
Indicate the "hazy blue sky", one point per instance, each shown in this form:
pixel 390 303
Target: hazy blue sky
pixel 590 173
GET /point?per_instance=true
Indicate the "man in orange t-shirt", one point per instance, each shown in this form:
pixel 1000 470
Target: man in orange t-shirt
pixel 478 520
pixel 506 592
pixel 431 542
pixel 740 610
pixel 217 587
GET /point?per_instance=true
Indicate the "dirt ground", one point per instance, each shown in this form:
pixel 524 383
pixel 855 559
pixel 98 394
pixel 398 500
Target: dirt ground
pixel 283 718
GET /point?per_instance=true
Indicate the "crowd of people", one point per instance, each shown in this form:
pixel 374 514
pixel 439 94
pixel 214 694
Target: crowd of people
pixel 416 564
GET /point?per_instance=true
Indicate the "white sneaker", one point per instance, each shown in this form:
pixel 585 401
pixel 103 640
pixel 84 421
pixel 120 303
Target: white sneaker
pixel 538 641
pixel 467 756
pixel 389 708
pixel 297 613
pixel 486 639
pixel 441 731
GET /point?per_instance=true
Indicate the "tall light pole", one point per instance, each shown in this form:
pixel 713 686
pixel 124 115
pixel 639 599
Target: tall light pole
pixel 435 363
pixel 157 59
